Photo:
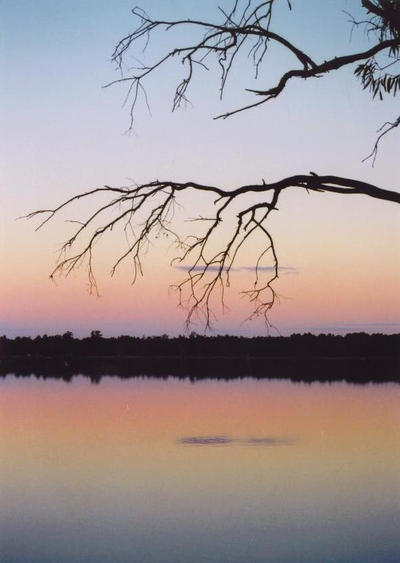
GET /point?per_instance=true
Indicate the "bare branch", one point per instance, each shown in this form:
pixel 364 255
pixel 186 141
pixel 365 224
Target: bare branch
pixel 144 212
pixel 386 127
pixel 148 211
pixel 240 28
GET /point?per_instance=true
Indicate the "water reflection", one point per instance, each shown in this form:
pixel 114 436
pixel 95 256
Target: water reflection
pixel 103 473
pixel 359 370
pixel 255 441
pixel 271 441
pixel 206 440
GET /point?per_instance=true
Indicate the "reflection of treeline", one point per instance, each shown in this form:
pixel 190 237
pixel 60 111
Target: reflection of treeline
pixel 354 345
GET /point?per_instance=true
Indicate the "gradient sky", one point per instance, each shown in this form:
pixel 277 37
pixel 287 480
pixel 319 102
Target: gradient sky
pixel 62 133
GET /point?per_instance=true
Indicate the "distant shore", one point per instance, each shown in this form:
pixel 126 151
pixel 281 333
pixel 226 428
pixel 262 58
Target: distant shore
pixel 357 357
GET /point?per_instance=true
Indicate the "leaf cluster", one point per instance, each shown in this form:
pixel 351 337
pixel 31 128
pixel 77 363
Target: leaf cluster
pixel 384 21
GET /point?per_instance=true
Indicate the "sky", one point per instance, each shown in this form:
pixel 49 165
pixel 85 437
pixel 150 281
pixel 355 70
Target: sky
pixel 63 133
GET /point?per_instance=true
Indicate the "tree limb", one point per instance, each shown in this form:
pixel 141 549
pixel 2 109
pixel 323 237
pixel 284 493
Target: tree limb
pixel 208 258
pixel 225 40
pixel 146 211
pixel 386 127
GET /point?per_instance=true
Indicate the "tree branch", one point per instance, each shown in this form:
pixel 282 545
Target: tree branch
pixel 386 127
pixel 144 212
pixel 249 26
pixel 313 72
pixel 209 258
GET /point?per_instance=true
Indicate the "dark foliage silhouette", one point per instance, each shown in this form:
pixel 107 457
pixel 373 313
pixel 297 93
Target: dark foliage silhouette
pixel 356 357
pixel 296 345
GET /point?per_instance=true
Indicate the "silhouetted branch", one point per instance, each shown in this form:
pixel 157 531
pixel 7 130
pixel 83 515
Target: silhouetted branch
pixel 246 25
pixel 148 210
pixel 386 127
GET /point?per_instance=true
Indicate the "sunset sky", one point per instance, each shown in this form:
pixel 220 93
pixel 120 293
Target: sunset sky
pixel 62 133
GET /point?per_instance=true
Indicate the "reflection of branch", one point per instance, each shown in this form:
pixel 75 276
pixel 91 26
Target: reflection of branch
pixel 146 211
pixel 386 127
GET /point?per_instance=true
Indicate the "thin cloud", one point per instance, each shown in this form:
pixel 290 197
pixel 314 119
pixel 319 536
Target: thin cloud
pixel 385 327
pixel 268 268
pixel 213 268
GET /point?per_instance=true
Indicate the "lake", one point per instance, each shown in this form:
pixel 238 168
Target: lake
pixel 152 471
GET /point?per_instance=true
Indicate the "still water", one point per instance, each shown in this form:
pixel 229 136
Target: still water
pixel 153 471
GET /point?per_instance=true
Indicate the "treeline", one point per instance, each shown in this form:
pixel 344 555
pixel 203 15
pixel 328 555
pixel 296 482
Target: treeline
pixel 354 345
